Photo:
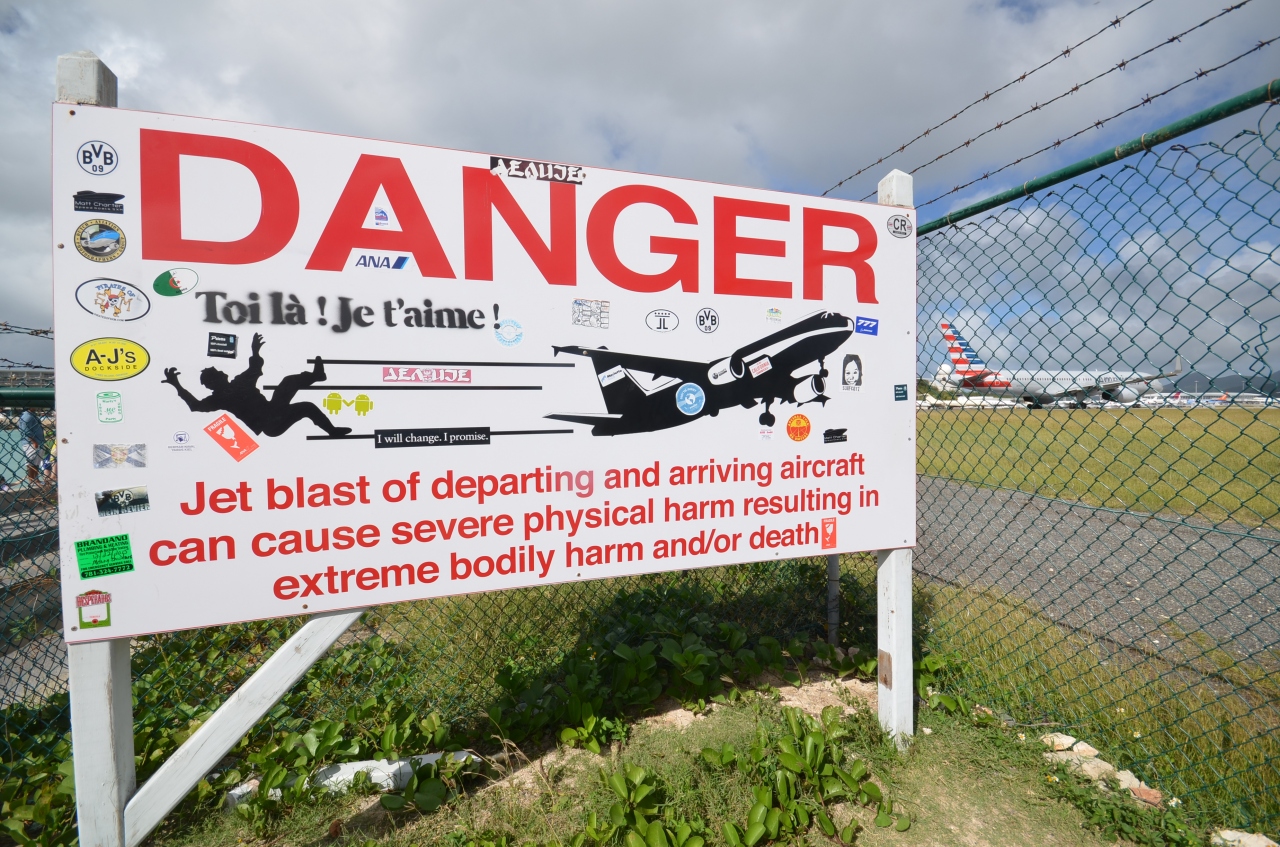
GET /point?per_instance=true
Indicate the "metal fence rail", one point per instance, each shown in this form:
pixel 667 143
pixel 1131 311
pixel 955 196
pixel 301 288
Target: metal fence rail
pixel 1113 569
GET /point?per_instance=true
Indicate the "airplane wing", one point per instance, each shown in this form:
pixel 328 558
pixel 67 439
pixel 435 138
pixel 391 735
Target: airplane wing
pixel 660 370
pixel 1108 384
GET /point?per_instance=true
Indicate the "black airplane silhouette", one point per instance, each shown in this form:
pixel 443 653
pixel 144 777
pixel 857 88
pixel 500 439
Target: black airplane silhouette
pixel 647 393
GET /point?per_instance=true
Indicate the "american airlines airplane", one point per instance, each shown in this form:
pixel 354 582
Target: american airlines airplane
pixel 967 372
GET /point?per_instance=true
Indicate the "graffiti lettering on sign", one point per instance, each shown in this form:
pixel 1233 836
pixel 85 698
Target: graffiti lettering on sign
pixel 545 171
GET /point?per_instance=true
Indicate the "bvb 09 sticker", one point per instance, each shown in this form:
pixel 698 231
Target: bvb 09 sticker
pixel 100 240
pixel 110 359
pixel 119 501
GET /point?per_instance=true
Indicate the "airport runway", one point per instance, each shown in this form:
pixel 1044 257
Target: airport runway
pixel 1117 575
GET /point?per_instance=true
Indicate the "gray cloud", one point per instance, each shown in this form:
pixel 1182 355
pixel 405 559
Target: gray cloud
pixel 787 96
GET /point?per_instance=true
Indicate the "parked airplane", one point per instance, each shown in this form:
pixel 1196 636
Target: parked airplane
pixel 1038 389
pixel 647 393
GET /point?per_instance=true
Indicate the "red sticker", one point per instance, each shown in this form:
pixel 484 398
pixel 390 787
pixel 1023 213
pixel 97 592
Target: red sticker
pixel 231 437
pixel 828 533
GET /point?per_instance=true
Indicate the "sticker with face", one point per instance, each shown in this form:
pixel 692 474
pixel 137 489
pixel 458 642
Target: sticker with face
pixel 851 374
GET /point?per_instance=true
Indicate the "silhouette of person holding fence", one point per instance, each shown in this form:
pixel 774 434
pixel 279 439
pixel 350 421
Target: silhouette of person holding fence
pixel 242 397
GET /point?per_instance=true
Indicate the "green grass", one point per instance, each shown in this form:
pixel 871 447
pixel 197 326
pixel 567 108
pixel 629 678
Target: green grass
pixel 1218 464
pixel 1207 732
pixel 962 786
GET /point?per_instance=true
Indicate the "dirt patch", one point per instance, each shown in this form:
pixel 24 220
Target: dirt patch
pixel 813 697
pixel 550 771
pixel 669 713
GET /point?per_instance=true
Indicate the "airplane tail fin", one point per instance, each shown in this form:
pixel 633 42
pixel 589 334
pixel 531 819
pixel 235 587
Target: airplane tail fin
pixel 964 358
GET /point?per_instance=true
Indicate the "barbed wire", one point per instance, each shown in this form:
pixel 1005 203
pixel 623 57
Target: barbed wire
pixel 1066 52
pixel 10 363
pixel 1098 124
pixel 1119 66
pixel 7 328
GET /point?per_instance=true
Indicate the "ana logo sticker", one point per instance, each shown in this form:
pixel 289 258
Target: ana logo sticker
pixel 662 320
pixel 110 359
pixel 798 427
pixel 175 281
pixel 112 299
pixel 100 240
pixel 97 157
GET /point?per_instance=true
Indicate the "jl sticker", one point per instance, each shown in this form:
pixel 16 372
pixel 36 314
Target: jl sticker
pixel 118 501
pixel 104 556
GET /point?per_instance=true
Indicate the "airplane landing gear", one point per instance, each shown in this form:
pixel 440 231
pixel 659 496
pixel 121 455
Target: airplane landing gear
pixel 767 418
pixel 822 368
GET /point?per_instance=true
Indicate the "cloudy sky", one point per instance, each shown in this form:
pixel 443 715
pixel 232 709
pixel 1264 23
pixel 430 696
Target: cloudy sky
pixel 792 96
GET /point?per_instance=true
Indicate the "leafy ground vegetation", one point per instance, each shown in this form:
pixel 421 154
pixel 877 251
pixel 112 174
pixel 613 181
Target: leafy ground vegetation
pixel 748 771
pixel 727 774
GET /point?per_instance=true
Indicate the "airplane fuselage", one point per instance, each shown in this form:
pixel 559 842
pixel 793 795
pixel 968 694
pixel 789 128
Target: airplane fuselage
pixel 1044 386
pixel 644 394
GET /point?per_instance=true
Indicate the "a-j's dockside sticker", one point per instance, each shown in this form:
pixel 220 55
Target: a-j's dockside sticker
pixel 387 372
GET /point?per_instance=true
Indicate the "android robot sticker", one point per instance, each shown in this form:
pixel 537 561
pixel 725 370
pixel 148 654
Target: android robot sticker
pixel 334 403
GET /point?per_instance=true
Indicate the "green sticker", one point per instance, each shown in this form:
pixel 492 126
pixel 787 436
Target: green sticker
pixel 104 556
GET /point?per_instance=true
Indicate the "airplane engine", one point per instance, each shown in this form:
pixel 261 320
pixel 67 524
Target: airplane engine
pixel 808 388
pixel 737 367
pixel 1122 394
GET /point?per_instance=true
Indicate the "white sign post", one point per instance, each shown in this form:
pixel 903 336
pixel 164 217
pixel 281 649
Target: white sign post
pixel 303 374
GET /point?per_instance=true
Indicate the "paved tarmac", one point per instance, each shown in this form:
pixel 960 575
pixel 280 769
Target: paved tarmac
pixel 1117 575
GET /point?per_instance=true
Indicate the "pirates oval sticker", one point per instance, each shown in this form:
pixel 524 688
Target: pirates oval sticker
pixel 109 359
pixel 112 299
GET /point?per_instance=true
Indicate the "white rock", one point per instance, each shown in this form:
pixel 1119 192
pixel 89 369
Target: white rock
pixel 1234 838
pixel 239 794
pixel 1097 769
pixel 1094 768
pixel 1128 780
pixel 1058 741
pixel 385 774
pixel 1084 749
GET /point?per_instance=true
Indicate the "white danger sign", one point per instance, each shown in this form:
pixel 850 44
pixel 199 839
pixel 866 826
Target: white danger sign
pixel 363 372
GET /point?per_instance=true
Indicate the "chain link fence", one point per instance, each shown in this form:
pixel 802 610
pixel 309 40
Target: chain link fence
pixel 1109 570
pixel 1100 556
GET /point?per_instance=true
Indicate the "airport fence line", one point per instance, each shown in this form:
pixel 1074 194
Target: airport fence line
pixel 1100 557
pixel 1110 571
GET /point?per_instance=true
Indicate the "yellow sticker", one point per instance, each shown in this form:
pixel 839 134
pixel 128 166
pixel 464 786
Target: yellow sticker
pixel 110 359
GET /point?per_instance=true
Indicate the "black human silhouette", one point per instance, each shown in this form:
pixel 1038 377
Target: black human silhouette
pixel 242 397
